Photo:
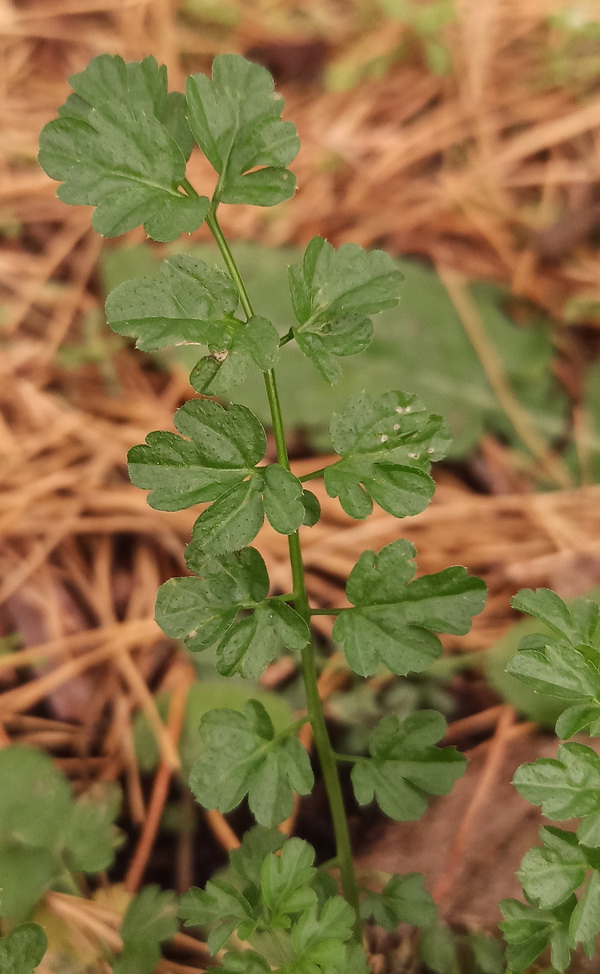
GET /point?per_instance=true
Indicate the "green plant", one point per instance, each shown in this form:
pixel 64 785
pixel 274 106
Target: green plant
pixel 563 663
pixel 121 143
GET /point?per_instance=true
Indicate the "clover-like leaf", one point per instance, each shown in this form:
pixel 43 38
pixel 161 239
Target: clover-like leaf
pixel 202 611
pixel 387 444
pixel 237 515
pixel 320 938
pixel 393 616
pixel 334 292
pixel 220 904
pixel 567 786
pixel 247 860
pixel 151 917
pixel 577 623
pixel 189 303
pixel 403 899
pixel 241 756
pixel 550 873
pixel 566 662
pixel 243 343
pixel 236 120
pixel 221 449
pixel 286 879
pixel 528 931
pixel 120 145
pixel 23 949
pixel 405 765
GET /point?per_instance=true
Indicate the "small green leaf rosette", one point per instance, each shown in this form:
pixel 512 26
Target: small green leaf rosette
pixel 215 460
pixel 387 444
pixel 121 144
pixel 242 755
pixel 276 899
pixel 204 610
pixel 393 613
pixel 236 120
pixel 405 765
pixel 565 662
pixel 334 293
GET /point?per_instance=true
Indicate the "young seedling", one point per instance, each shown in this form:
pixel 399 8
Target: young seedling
pixel 121 144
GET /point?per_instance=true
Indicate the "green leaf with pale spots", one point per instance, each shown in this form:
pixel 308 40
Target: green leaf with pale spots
pixel 334 293
pixel 120 144
pixel 405 765
pixel 190 303
pixel 387 444
pixel 242 756
pixel 204 611
pixel 236 121
pixel 393 617
pixel 220 452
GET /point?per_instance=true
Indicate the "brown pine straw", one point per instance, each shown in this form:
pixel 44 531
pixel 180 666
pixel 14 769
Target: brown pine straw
pixel 443 889
pixel 160 788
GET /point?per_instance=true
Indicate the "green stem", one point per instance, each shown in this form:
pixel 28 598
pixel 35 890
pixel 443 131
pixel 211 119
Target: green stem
pixel 314 475
pixel 309 669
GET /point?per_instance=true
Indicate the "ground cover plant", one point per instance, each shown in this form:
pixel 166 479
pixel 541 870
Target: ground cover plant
pixel 274 898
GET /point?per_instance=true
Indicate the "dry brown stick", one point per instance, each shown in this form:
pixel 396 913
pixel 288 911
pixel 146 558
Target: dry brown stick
pixel 160 789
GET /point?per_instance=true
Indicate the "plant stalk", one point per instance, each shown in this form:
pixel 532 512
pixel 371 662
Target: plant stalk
pixel 309 670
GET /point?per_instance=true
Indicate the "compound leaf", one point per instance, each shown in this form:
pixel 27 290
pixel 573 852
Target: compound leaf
pixel 202 611
pixel 528 931
pixel 190 303
pixel 23 949
pixel 403 899
pixel 405 765
pixel 240 756
pixel 220 451
pixel 117 145
pixel 333 294
pixel 258 843
pixel 393 616
pixel 577 623
pixel 286 879
pixel 387 444
pixel 567 786
pixel 550 873
pixel 236 121
pixel 151 917
pixel 220 903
